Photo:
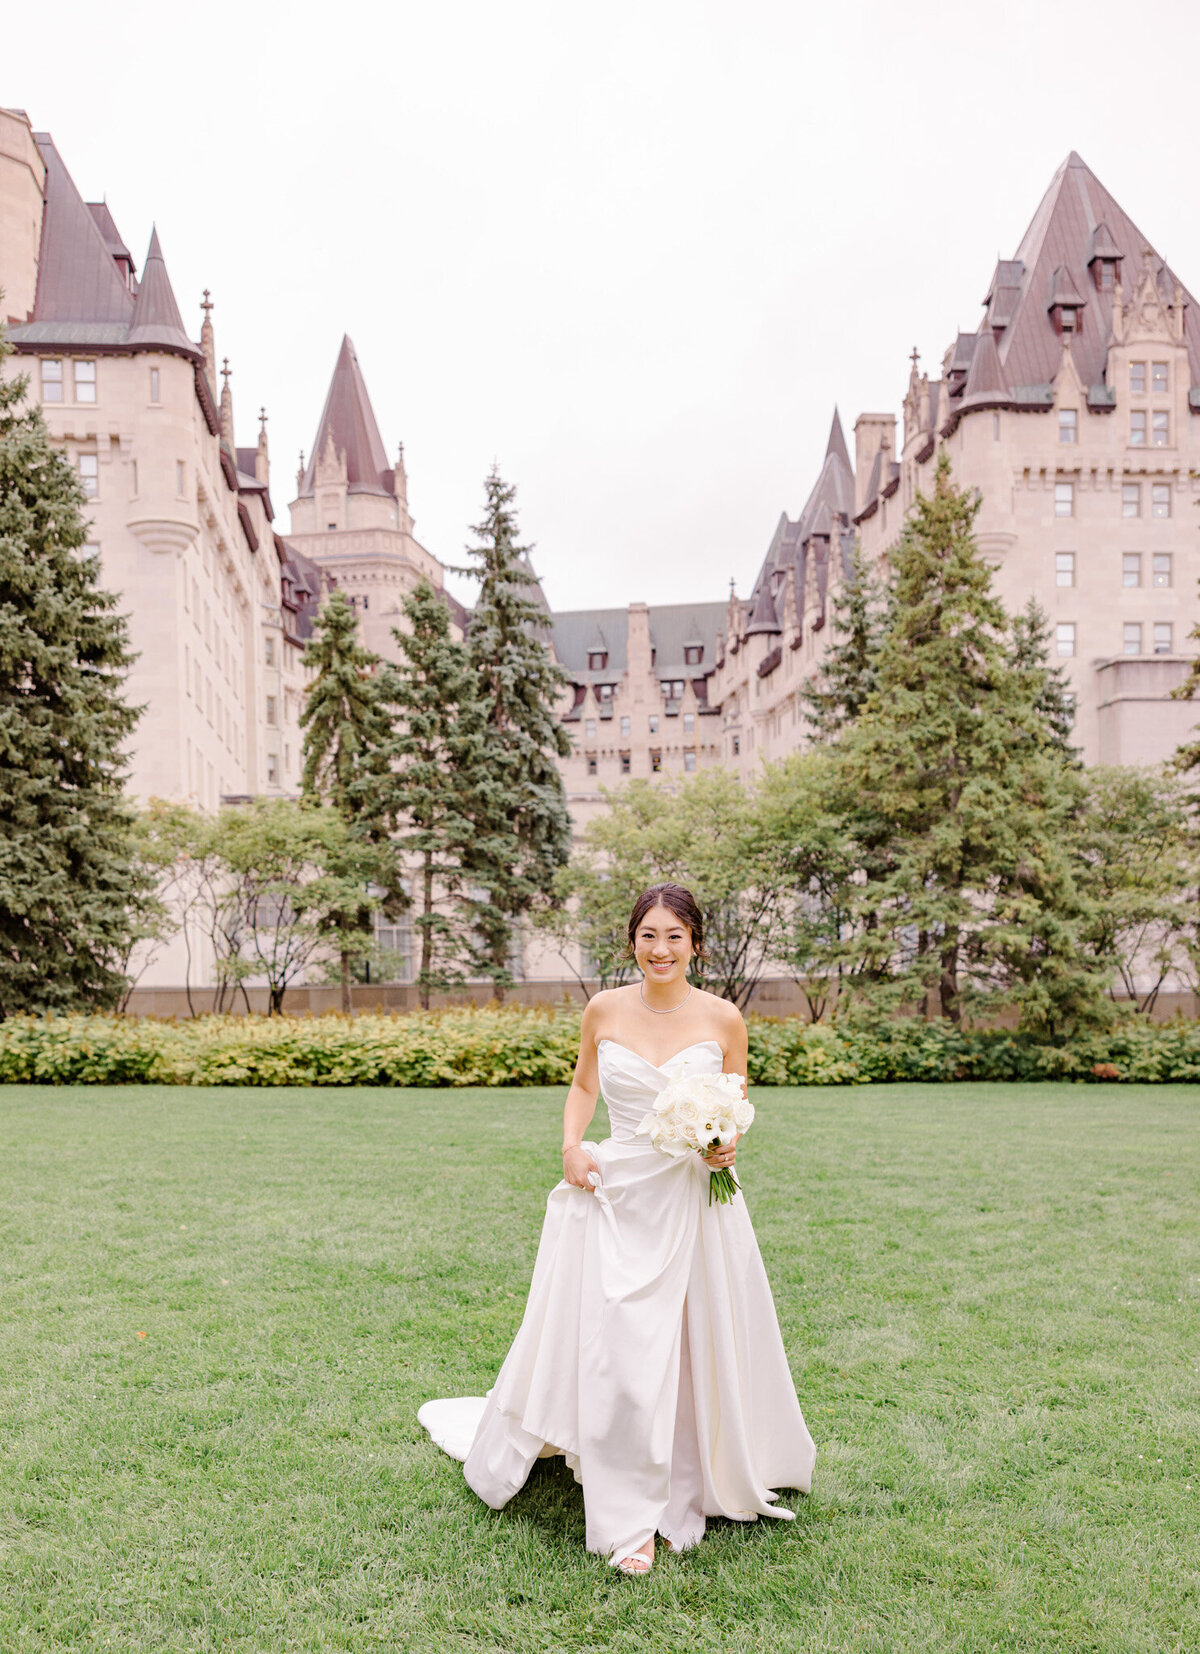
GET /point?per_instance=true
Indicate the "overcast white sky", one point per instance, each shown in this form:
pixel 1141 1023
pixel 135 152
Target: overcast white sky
pixel 635 252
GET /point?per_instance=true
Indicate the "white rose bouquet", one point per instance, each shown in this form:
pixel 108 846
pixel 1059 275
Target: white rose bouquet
pixel 695 1113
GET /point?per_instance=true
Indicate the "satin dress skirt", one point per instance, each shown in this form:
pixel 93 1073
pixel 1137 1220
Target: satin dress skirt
pixel 649 1355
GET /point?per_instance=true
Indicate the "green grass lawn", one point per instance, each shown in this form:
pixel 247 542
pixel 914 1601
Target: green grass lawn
pixel 220 1310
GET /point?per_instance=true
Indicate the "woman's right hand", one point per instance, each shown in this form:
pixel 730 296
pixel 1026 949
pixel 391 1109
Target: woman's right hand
pixel 577 1163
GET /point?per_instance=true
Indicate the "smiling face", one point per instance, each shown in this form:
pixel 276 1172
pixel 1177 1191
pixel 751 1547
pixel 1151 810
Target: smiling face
pixel 662 946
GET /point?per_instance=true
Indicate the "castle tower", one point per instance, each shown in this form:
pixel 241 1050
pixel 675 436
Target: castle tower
pixel 22 196
pixel 351 515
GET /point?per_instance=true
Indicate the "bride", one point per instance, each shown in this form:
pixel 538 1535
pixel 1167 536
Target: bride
pixel 649 1354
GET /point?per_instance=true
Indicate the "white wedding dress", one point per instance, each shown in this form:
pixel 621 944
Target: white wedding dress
pixel 649 1354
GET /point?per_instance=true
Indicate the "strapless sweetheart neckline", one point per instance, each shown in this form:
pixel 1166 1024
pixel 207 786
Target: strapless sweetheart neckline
pixel 694 1046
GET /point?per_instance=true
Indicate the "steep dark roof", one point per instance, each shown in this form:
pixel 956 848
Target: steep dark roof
pixel 157 324
pixel 763 617
pixel 672 626
pixel 83 300
pixel 78 280
pixel 349 420
pixel 1062 237
pixel 107 226
pixel 985 386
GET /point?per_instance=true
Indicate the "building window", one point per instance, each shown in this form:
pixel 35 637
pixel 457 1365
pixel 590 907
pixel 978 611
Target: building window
pixel 272 769
pixel 366 600
pixel 85 381
pixel 1158 377
pixel 154 396
pixel 655 763
pixel 597 660
pixel 693 654
pixel 1131 499
pixel 1064 638
pixel 271 709
pixel 1137 378
pixel 1160 423
pixel 625 726
pixel 589 728
pixel 180 478
pixel 1160 499
pixel 269 650
pixel 654 723
pixel 1131 568
pixel 92 550
pixel 133 476
pixel 995 427
pixel 689 761
pixel 1064 568
pixel 625 764
pixel 1068 424
pixel 52 380
pixel 1064 499
pixel 89 474
pixel 604 691
pixel 737 745
pixel 591 763
pixel 672 689
pixel 1131 637
pixel 689 722
pixel 1137 428
pixel 1163 631
pixel 331 527
pixel 1162 568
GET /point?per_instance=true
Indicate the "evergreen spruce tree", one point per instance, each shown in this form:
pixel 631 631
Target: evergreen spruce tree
pixel 438 748
pixel 347 738
pixel 979 898
pixel 1052 700
pixel 70 884
pixel 521 829
pixel 848 671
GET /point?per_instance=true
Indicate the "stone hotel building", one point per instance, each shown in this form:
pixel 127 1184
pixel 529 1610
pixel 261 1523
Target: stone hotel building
pixel 1074 408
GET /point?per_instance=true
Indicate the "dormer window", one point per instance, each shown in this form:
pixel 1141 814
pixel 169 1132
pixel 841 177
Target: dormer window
pixel 597 660
pixel 1106 270
pixel 1070 318
pixel 604 691
pixel 693 654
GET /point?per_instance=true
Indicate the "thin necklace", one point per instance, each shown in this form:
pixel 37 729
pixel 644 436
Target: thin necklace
pixel 665 1011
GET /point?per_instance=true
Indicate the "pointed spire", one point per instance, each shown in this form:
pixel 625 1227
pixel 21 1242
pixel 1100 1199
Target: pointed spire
pixel 348 422
pixel 226 404
pixel 986 386
pixel 836 445
pixel 206 338
pixel 157 324
pixel 300 473
pixel 262 457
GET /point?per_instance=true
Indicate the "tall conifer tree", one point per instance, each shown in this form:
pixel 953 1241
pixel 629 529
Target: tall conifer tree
pixel 849 667
pixel 70 885
pixel 522 831
pixel 438 749
pixel 347 737
pixel 949 763
pixel 1053 701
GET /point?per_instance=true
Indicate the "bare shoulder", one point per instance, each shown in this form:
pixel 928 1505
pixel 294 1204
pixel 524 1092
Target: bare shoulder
pixel 725 1017
pixel 600 1010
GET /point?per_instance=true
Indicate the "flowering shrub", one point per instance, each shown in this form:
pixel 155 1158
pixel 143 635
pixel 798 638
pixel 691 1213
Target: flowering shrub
pixel 515 1046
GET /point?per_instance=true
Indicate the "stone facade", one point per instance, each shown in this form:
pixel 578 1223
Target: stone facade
pixel 1073 408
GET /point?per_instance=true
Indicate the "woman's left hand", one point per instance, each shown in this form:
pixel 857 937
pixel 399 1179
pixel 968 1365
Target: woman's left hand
pixel 723 1154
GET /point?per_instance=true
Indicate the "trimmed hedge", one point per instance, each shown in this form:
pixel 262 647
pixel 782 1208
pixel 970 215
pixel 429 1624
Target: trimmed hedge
pixel 497 1047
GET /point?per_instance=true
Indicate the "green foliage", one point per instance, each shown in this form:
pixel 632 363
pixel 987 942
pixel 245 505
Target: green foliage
pixel 860 618
pixel 960 801
pixel 1139 848
pixel 508 1046
pixel 521 831
pixel 73 896
pixel 1053 701
pixel 291 888
pixel 439 757
pixel 705 834
pixel 347 741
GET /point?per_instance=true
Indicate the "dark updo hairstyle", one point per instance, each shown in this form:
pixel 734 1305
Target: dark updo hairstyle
pixel 681 903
